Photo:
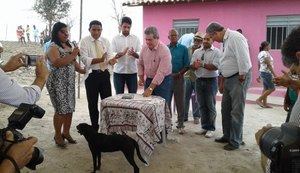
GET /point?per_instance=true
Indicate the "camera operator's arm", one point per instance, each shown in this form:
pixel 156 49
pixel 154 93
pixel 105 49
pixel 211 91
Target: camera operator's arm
pixel 21 153
pixel 14 63
pixel 13 94
pixel 41 72
pixel 258 134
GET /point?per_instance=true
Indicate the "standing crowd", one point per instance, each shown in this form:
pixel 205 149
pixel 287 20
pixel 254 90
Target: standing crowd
pixel 197 70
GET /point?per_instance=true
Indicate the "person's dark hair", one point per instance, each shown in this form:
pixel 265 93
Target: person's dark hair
pixel 126 20
pixel 54 34
pixel 290 47
pixel 239 30
pixel 214 27
pixel 263 45
pixel 94 22
pixel 152 30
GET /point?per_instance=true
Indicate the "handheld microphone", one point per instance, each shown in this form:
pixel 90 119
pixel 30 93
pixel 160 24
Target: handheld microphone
pixel 75 45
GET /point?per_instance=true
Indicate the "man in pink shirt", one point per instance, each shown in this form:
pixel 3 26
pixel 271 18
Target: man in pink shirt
pixel 155 66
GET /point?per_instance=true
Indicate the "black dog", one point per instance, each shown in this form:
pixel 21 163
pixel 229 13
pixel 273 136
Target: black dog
pixel 99 142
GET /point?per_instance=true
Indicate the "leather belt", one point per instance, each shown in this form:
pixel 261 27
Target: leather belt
pixel 99 71
pixel 232 75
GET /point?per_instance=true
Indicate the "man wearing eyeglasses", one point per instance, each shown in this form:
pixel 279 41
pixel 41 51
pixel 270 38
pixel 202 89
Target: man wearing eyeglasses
pixel 235 68
pixel 205 61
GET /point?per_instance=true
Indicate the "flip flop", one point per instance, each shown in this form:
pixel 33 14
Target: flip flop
pixel 259 103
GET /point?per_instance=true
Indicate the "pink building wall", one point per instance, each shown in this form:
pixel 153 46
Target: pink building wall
pixel 249 15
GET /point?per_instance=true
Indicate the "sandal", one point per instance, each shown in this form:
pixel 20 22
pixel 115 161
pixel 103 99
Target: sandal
pixel 70 139
pixel 61 145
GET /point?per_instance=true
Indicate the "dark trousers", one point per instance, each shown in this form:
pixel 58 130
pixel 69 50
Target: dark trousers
pixel 129 79
pixel 97 83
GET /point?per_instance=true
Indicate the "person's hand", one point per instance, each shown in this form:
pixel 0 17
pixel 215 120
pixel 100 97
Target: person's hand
pixel 261 131
pixel 176 75
pixel 130 51
pixel 283 80
pixel 14 62
pixel 41 69
pixel 21 152
pixel 104 56
pixel 286 107
pixel 221 84
pixel 120 54
pixel 242 78
pixel 147 92
pixel 75 52
pixel 197 64
pixel 113 61
pixel 141 82
pixel 258 80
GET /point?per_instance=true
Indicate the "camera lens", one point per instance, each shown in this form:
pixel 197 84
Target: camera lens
pixel 268 140
pixel 37 158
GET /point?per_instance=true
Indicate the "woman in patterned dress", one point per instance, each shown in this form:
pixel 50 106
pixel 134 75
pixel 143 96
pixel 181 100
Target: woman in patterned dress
pixel 61 82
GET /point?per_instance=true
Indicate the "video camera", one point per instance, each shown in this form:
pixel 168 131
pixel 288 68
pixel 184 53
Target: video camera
pixel 18 120
pixel 282 146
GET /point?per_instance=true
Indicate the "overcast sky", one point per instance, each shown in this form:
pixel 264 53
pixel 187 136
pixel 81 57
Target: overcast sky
pixel 19 12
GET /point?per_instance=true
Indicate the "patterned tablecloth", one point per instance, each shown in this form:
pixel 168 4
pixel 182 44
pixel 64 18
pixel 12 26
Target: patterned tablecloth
pixel 147 116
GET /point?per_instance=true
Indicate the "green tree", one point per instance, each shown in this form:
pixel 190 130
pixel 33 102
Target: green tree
pixel 52 11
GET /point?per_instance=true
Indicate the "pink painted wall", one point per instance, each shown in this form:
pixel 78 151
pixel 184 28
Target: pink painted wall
pixel 249 15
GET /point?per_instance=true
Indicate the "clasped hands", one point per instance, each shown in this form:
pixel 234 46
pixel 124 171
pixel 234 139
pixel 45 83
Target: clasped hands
pixel 287 80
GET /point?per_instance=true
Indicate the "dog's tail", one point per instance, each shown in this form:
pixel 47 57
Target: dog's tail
pixel 136 145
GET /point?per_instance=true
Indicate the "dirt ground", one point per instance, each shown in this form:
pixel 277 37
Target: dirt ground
pixel 188 153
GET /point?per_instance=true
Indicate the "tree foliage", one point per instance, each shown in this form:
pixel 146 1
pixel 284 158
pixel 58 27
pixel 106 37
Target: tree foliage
pixel 52 11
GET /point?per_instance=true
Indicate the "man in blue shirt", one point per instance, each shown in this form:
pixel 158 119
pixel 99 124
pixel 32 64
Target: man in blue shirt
pixel 180 64
pixel 187 39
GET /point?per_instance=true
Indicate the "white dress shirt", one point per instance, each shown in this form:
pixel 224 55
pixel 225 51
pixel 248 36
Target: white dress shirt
pixel 88 53
pixel 126 64
pixel 236 56
pixel 210 56
pixel 13 94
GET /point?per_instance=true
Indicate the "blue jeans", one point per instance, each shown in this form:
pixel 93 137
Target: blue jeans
pixel 163 90
pixel 189 87
pixel 232 108
pixel 267 80
pixel 129 79
pixel 206 89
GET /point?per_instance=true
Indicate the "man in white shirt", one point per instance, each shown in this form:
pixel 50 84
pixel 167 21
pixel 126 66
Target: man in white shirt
pixel 126 46
pixel 235 68
pixel 96 55
pixel 11 92
pixel 206 62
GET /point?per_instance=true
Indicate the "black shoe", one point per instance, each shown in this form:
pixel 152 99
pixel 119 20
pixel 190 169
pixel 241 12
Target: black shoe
pixel 243 143
pixel 230 147
pixel 221 140
pixel 185 120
